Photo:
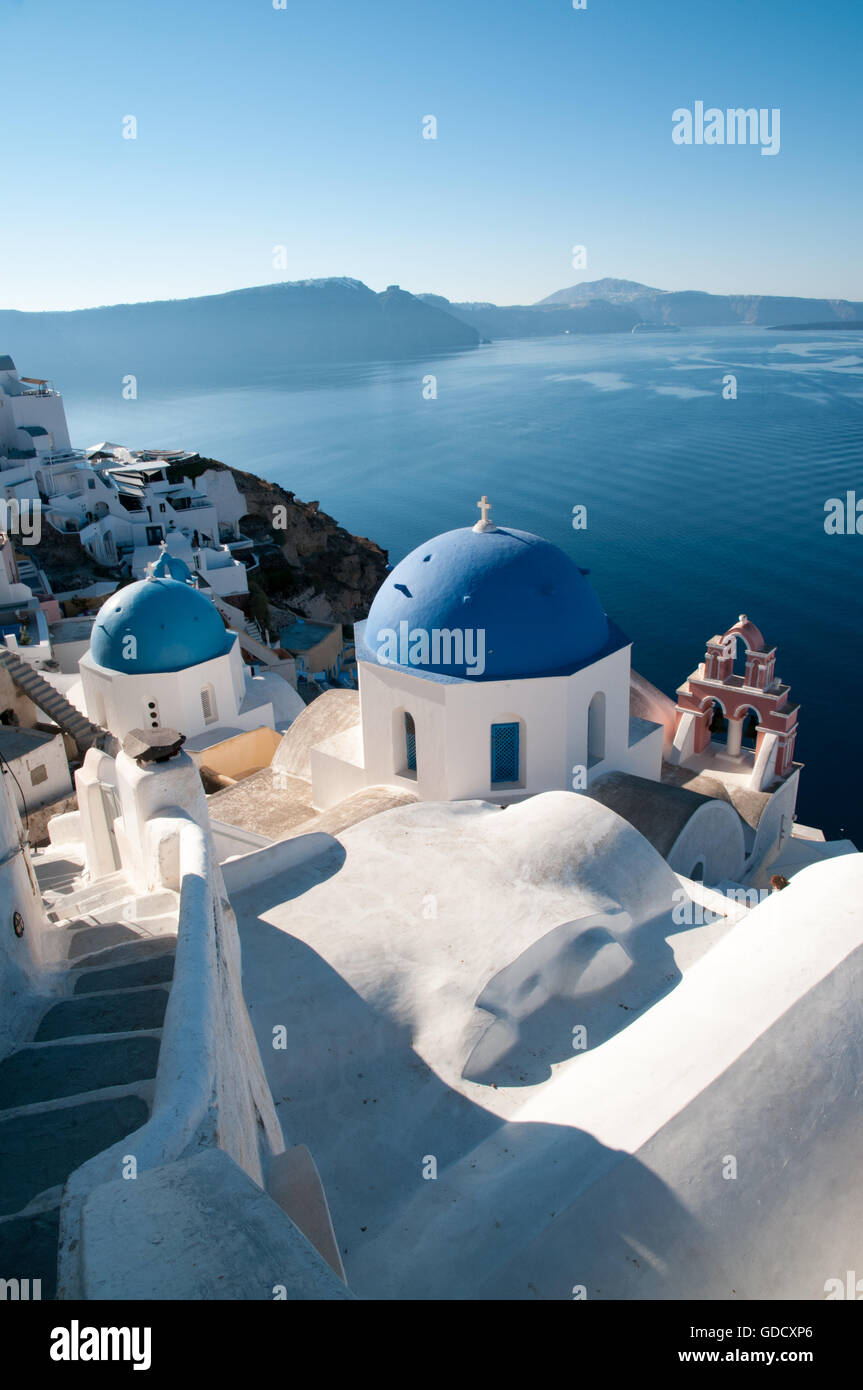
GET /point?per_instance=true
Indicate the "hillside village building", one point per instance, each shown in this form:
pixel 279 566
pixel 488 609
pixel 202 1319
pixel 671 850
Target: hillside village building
pixel 122 504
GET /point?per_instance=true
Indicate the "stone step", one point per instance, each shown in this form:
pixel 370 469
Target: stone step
pixel 85 939
pixel 142 948
pixel 53 1071
pixel 153 970
pixel 28 1249
pixel 81 904
pixel 39 1151
pixel 55 875
pixel 129 1011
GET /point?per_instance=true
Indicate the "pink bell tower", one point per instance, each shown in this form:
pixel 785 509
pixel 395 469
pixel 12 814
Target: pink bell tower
pixel 759 691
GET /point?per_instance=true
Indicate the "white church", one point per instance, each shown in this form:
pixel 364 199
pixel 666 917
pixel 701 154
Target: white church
pixel 488 670
pixel 160 656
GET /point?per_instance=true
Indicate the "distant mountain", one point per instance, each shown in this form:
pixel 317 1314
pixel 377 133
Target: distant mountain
pixel 615 291
pixel 616 306
pixel 530 321
pixel 258 334
pixel 232 337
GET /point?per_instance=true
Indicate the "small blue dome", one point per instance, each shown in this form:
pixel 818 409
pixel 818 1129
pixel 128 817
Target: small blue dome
pixel 174 626
pixel 537 612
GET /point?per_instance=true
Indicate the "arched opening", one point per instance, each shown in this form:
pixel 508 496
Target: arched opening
pixel 718 724
pixel 751 720
pixel 696 873
pixel 738 647
pixel 596 729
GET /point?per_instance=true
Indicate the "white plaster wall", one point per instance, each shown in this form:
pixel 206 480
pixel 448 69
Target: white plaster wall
pixel 684 739
pixel 714 834
pixel 334 778
pixel 20 957
pixel 645 756
pixel 231 841
pixel 224 493
pixel 46 411
pixel 383 693
pixel 52 757
pixel 69 654
pixel 210 1085
pixel 98 806
pixel 453 731
pixel 120 701
pixel 772 835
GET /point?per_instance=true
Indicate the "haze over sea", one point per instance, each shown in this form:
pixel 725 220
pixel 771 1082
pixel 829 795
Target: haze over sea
pixel 699 508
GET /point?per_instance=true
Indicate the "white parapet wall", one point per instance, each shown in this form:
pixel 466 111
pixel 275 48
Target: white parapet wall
pixel 211 1092
pixel 23 925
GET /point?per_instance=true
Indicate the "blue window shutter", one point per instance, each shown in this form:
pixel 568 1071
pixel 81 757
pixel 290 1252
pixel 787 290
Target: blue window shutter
pixel 504 753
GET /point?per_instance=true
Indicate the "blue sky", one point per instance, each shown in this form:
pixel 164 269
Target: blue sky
pixel 302 128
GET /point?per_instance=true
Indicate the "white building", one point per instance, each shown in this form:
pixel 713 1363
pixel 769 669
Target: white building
pixel 37 761
pixel 23 621
pixel 161 656
pixel 487 668
pixel 33 430
pixel 126 512
pixel 122 503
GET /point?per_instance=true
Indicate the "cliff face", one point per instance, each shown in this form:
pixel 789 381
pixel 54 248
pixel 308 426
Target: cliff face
pixel 309 562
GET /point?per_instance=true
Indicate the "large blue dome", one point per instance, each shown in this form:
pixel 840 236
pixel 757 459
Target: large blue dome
pixel 174 626
pixel 538 613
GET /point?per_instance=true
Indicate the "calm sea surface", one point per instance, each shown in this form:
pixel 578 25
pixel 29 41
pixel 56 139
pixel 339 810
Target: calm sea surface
pixel 699 508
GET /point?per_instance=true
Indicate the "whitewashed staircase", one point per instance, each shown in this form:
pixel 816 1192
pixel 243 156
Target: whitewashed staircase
pixel 86 1077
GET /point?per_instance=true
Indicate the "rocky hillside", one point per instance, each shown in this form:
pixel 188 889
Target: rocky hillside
pixel 311 564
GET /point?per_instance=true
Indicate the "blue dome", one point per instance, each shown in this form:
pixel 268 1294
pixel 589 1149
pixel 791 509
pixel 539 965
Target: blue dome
pixel 537 613
pixel 174 626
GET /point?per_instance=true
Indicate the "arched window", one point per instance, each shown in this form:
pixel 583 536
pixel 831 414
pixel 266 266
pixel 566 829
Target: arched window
pixel 749 732
pixel 697 873
pixel 504 753
pixel 718 724
pixel 410 743
pixel 596 729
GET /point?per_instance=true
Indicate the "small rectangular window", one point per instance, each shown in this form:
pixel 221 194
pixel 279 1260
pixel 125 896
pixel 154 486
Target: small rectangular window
pixel 208 704
pixel 410 744
pixel 38 774
pixel 504 753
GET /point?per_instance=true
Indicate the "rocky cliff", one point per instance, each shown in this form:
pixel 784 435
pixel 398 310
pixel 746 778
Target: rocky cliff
pixel 308 561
